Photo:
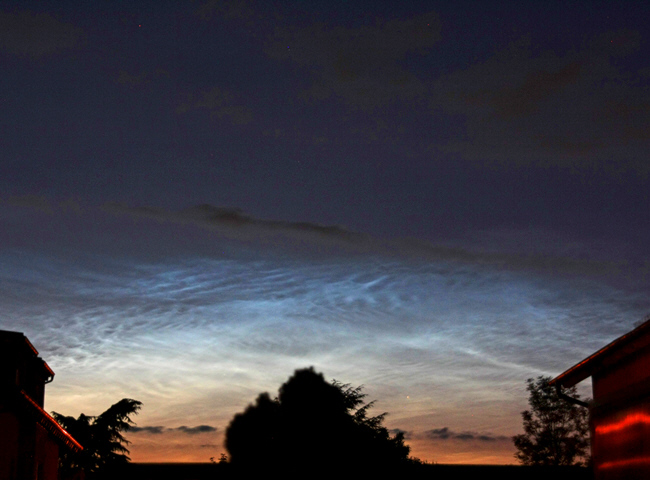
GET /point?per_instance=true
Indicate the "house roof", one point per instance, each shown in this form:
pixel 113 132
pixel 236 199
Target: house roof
pixel 18 342
pixel 610 354
pixel 46 421
pixel 17 338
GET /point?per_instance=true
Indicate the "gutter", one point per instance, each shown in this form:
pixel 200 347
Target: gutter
pixel 564 396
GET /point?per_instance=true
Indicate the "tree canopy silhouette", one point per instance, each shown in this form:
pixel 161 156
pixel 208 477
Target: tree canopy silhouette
pixel 556 432
pixel 104 446
pixel 313 424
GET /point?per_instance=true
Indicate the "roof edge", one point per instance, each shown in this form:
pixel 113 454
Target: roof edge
pixel 593 363
pixel 51 425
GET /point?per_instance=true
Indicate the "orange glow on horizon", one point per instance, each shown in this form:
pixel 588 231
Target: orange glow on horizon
pixel 174 448
pixel 629 420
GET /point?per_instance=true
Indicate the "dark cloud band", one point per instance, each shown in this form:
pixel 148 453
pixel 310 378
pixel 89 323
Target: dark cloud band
pixel 445 433
pixel 157 430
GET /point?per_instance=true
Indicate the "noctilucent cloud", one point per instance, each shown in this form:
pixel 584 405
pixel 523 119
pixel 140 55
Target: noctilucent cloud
pixel 436 201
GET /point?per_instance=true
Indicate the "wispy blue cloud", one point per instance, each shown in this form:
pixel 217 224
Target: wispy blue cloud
pixel 198 332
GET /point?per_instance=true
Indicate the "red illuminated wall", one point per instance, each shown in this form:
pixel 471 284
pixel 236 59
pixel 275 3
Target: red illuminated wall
pixel 620 419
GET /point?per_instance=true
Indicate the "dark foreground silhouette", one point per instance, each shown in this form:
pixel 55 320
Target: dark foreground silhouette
pixel 556 432
pixel 210 471
pixel 313 426
pixel 104 445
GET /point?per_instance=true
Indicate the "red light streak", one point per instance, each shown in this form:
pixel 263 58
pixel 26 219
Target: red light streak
pixel 625 463
pixel 632 419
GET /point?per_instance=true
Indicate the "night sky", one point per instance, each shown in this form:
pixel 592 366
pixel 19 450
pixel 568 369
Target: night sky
pixel 437 200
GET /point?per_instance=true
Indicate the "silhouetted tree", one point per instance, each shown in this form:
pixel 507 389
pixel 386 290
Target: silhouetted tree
pixel 104 446
pixel 253 434
pixel 556 432
pixel 312 426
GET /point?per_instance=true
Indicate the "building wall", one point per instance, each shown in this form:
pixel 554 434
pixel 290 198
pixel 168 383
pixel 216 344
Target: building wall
pixel 620 419
pixel 46 455
pixel 624 379
pixel 27 450
pixel 9 427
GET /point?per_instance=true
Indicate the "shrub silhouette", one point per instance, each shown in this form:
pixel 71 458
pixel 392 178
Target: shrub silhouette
pixel 313 425
pixel 102 440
